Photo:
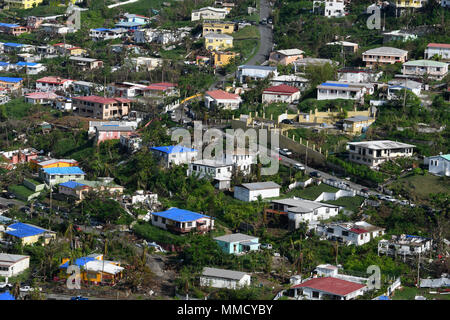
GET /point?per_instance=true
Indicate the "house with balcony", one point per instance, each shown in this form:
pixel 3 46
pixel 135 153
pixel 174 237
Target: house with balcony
pixel 280 93
pixel 182 221
pixel 13 29
pixel 237 243
pixel 52 84
pixel 222 100
pixel 245 72
pixel 85 64
pixel 383 56
pixel 218 171
pixel 101 107
pixel 373 153
pixel 220 27
pixel 218 41
pixel 53 176
pixel 11 84
pixel 356 233
pixel 429 68
pixel 442 50
pixel 242 160
pixel 209 13
pixel 286 57
pixel 344 90
pixel 68 49
pixel 222 58
pixel 174 155
pixel 404 245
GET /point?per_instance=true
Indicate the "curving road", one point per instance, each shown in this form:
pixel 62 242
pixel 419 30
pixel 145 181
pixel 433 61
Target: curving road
pixel 266 36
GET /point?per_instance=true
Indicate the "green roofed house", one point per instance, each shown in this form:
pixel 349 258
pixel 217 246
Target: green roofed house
pixel 433 69
pixel 237 243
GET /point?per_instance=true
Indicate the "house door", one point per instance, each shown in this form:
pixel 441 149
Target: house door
pixel 235 248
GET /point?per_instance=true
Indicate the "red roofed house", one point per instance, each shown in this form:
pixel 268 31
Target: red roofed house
pixel 222 99
pixel 104 133
pixel 442 50
pixel 101 107
pixel 161 89
pixel 41 97
pixel 280 93
pixel 53 84
pixel 329 288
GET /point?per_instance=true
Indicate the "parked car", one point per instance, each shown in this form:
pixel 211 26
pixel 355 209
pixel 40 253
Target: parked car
pixel 299 166
pixel 315 174
pixel 287 121
pixel 79 298
pixel 285 152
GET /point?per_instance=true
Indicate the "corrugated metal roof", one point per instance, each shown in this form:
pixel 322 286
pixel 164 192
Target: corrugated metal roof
pixel 261 185
pixel 222 273
pixel 180 215
pixel 235 237
pixel 64 170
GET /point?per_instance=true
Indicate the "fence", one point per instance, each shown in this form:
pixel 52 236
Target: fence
pixel 302 184
pixel 342 186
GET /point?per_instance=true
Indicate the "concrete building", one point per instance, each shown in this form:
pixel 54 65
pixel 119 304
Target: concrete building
pixel 174 155
pixel 291 80
pixel 86 88
pixel 396 87
pixel 22 4
pixel 356 233
pixel 286 57
pixel 53 176
pixel 11 84
pixel 221 278
pixel 281 93
pixel 222 58
pixel 433 69
pixel 101 108
pixel 405 245
pixel 105 133
pixel 347 47
pixel 78 189
pixel 237 243
pixel 162 89
pixel 222 100
pixel 358 75
pixel 398 35
pixel 383 56
pixel 218 41
pixel 13 29
pixel 146 63
pixel 217 171
pixel 242 160
pixel 42 98
pixel 255 72
pixel 52 84
pixel 331 90
pixel 85 64
pixel 28 234
pixel 335 8
pixel 442 50
pixel 182 221
pixel 209 13
pixel 220 27
pixel 12 264
pixel 102 34
pixel 357 124
pixel 374 153
pixel 31 68
pixel 439 165
pixel 252 191
pixel 329 288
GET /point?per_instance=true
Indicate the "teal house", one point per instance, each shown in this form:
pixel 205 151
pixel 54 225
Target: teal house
pixel 237 243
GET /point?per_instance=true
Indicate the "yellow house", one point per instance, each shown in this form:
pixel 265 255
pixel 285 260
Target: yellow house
pixel 22 4
pixel 223 58
pixel 356 124
pixel 408 3
pixel 28 234
pixel 220 27
pixel 93 268
pixel 216 41
pixel 45 163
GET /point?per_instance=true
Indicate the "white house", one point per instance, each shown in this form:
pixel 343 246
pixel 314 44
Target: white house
pixel 404 245
pixel 160 36
pixel 329 288
pixel 433 69
pixel 221 278
pixel 209 13
pixel 86 88
pixel 304 211
pixel 396 87
pixel 357 233
pixel 358 75
pixel 251 191
pixel 290 80
pixel 12 264
pixel 343 90
pixel 31 68
pixel 242 160
pixel 280 93
pixel 182 221
pixel 222 99
pixel 146 63
pixel 53 84
pixel 374 153
pixel 335 8
pixel 439 165
pixel 255 72
pixel 441 50
pixel 174 155
pixel 101 34
pixel 218 171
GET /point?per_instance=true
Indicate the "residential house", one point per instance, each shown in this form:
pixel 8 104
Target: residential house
pixel 53 176
pixel 255 72
pixel 46 51
pixel 221 278
pixel 374 153
pixel 56 29
pixel 428 68
pixel 85 64
pixel 146 63
pixel 31 68
pixel 344 90
pixel 13 29
pixel 290 80
pixel 12 265
pixel 398 35
pixel 78 189
pixel 242 160
pixel 52 84
pixel 182 221
pixel 335 8
pixel 442 50
pixel 22 4
pixel 280 93
pixel 222 100
pixel 102 34
pixel 162 89
pixel 101 107
pixel 41 162
pixel 130 26
pixel 253 191
pixel 383 56
pixel 396 87
pixel 209 13
pixel 218 41
pixel 403 4
pixel 28 57
pixel 94 124
pixel 14 48
pixel 131 143
pixel 329 288
pixel 301 64
pixel 237 243
pixel 286 57
pixel 94 269
pixel 20 155
pixel 439 165
pixel 28 234
pixel 174 155
pixel 218 27
pixel 356 233
pixel 86 88
pixel 126 89
pixel 66 49
pixel 10 84
pixel 222 58
pixel 404 245
pixel 42 98
pixel 347 47
pixel 356 124
pixel 105 133
pixel 161 36
pixel 131 17
pixel 358 75
pixel 218 171
pixel 302 211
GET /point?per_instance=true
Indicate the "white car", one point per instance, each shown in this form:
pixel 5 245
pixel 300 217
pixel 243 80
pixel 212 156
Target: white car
pixel 299 166
pixel 285 152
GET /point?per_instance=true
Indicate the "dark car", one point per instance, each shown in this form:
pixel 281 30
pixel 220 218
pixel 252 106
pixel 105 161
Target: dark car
pixel 79 298
pixel 287 121
pixel 315 174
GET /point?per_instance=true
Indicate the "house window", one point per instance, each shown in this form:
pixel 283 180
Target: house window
pixel 345 233
pixel 163 220
pixel 155 218
pixel 330 230
pixel 315 294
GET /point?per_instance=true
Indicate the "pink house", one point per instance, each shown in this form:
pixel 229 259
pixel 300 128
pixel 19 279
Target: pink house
pixel 104 133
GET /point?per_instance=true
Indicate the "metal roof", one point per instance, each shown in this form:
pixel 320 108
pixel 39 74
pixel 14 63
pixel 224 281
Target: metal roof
pixel 261 185
pixel 180 215
pixel 386 51
pixel 173 149
pixel 381 144
pixel 222 273
pixel 235 237
pixel 22 230
pixel 72 184
pixel 64 170
pixel 426 63
pixel 302 205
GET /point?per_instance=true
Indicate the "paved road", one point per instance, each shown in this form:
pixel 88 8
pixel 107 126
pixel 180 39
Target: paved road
pixel 266 34
pixel 5 202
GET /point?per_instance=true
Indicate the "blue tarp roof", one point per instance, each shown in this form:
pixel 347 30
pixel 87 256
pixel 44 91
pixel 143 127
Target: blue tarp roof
pixel 180 215
pixel 22 63
pixel 129 24
pixel 6 296
pixel 383 298
pixel 4 64
pixel 8 79
pixel 22 230
pixel 173 149
pixel 72 184
pixel 8 25
pixel 335 85
pixel 64 170
pixel 81 262
pixel 13 44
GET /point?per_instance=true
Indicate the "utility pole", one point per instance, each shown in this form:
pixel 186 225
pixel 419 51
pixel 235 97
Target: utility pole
pixel 418 270
pixel 103 262
pixel 336 253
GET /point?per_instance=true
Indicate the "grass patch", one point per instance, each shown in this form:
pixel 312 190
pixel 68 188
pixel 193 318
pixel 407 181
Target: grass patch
pixel 349 203
pixel 17 108
pixel 311 192
pixel 35 182
pixel 152 233
pixel 20 191
pixel 408 293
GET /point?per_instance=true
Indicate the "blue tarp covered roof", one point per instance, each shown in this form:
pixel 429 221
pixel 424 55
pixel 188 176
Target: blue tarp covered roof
pixel 6 296
pixel 81 262
pixel 335 85
pixel 22 230
pixel 173 149
pixel 180 215
pixel 72 184
pixel 22 63
pixel 8 25
pixel 8 79
pixel 13 44
pixel 64 170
